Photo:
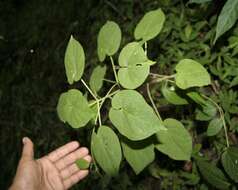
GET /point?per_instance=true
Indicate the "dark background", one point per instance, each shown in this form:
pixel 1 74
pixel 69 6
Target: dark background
pixel 33 38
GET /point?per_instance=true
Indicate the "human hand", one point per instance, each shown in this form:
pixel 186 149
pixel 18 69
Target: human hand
pixel 55 171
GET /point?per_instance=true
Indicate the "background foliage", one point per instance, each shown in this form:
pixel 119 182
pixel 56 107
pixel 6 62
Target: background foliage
pixel 33 39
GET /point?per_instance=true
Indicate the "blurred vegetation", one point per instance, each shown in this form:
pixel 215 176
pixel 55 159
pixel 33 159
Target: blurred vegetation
pixel 33 39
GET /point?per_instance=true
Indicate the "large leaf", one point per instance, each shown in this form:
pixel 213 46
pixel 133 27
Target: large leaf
pixel 74 109
pixel 172 96
pixel 135 66
pixel 132 116
pixel 191 74
pixel 213 175
pixel 109 39
pixel 214 127
pixel 230 162
pixel 107 150
pixel 138 154
pixel 74 61
pixel 150 25
pixel 227 17
pixel 176 142
pixel 97 76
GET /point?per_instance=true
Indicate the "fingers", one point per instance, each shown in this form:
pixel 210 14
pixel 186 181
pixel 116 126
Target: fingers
pixel 63 151
pixel 28 151
pixel 71 158
pixel 75 178
pixel 72 169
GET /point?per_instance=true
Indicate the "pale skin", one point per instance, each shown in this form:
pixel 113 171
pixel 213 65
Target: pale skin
pixel 55 171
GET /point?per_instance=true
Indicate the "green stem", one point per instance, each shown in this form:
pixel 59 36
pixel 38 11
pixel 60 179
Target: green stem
pixel 222 118
pixel 114 69
pixel 152 101
pixel 90 91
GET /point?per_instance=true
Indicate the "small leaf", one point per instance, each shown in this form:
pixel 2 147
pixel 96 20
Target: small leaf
pixel 138 154
pixel 206 112
pixel 191 74
pixel 230 162
pixel 175 142
pixel 135 66
pixel 214 127
pixel 74 61
pixel 97 76
pixel 227 17
pixel 234 82
pixel 172 97
pixel 74 109
pixel 150 25
pixel 132 116
pixel 213 175
pixel 82 164
pixel 107 150
pixel 199 1
pixel 109 40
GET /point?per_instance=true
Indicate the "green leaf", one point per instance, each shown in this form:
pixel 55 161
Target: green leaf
pixel 191 74
pixel 74 109
pixel 230 162
pixel 176 142
pixel 234 82
pixel 199 1
pixel 214 127
pixel 206 112
pixel 74 61
pixel 97 76
pixel 150 25
pixel 213 175
pixel 227 18
pixel 132 116
pixel 172 97
pixel 109 40
pixel 135 66
pixel 82 164
pixel 138 154
pixel 107 150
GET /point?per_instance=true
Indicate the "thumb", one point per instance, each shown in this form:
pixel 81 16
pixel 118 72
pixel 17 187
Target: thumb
pixel 27 152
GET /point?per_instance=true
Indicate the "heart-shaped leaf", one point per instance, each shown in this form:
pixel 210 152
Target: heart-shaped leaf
pixel 191 74
pixel 107 150
pixel 132 116
pixel 135 66
pixel 138 154
pixel 74 109
pixel 175 142
pixel 150 25
pixel 74 61
pixel 109 39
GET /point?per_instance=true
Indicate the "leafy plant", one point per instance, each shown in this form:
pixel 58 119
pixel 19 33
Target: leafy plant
pixel 135 125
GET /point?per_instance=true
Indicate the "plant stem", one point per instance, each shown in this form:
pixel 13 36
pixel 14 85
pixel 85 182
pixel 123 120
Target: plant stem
pixel 111 81
pixel 222 118
pixel 90 91
pixel 97 101
pixel 152 101
pixel 114 69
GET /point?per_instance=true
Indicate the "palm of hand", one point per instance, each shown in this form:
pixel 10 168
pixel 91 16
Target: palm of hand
pixel 56 171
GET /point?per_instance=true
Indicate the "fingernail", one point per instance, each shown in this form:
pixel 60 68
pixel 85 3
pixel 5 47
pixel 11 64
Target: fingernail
pixel 24 140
